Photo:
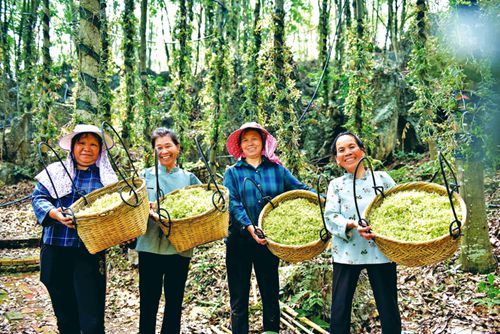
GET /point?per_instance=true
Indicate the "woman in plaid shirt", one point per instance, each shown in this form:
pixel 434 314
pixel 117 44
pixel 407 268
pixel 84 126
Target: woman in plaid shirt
pixel 254 148
pixel 75 279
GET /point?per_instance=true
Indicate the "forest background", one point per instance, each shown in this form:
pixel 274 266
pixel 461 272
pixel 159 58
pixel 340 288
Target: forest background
pixel 411 77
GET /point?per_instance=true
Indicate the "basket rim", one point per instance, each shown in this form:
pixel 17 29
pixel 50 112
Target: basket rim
pixel 112 208
pixel 211 210
pixel 415 185
pixel 307 194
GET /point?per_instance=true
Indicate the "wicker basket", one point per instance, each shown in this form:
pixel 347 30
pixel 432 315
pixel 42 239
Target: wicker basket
pixel 292 253
pixel 424 253
pixel 123 222
pixel 189 232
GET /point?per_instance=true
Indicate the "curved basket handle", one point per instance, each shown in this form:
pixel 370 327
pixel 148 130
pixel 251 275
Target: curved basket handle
pixel 162 212
pixel 258 231
pixel 379 190
pixel 113 162
pixel 324 234
pixel 42 160
pixel 456 225
pixel 220 202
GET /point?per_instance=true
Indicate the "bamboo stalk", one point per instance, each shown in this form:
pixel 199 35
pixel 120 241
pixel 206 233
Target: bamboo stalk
pixel 296 323
pixel 289 325
pixel 304 319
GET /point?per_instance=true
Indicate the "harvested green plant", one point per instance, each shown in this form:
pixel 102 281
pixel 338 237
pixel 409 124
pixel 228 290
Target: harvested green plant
pixel 293 222
pixel 413 216
pixel 188 202
pixel 104 203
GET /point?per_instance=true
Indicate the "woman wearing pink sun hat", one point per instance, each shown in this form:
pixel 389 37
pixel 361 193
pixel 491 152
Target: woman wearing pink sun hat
pixel 254 148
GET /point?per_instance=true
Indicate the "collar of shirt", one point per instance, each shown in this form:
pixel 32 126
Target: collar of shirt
pixel 163 169
pixel 243 162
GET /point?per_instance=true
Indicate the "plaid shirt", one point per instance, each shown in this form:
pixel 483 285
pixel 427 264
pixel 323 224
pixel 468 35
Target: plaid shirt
pixel 273 179
pixel 55 233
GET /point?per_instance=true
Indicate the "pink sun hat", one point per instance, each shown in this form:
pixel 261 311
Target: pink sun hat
pixel 270 144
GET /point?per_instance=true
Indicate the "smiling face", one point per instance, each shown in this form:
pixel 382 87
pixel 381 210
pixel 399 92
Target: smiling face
pixel 167 151
pixel 86 150
pixel 348 153
pixel 251 144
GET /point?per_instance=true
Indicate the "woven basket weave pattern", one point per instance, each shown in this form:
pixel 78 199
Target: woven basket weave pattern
pixel 292 253
pixel 111 227
pixel 189 232
pixel 413 254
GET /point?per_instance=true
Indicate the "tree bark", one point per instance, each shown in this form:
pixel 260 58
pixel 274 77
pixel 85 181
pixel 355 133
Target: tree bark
pixel 105 96
pixel 89 51
pixel 129 60
pixel 477 254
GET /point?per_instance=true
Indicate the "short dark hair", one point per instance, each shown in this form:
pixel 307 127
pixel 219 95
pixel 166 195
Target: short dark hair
pixel 262 136
pixel 85 134
pixel 333 148
pixel 163 132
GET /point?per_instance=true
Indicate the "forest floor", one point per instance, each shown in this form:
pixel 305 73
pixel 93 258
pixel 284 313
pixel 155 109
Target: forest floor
pixel 439 298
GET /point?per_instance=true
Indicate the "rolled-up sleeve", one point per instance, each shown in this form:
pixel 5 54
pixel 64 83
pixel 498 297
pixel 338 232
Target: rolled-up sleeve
pixel 42 203
pixel 336 223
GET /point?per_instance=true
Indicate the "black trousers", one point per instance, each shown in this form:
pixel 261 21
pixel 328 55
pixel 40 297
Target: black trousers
pixel 240 257
pixel 76 282
pixel 383 281
pixel 156 272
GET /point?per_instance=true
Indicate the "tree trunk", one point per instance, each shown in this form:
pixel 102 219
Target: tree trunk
pixel 477 254
pixel 129 60
pixel 89 51
pixel 46 74
pixel 143 71
pixel 219 73
pixel 324 31
pixel 105 96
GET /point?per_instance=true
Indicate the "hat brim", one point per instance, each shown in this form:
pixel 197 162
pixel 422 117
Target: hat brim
pixel 232 145
pixel 65 141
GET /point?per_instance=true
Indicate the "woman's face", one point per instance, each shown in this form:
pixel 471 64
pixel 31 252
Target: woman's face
pixel 251 144
pixel 86 151
pixel 167 151
pixel 348 153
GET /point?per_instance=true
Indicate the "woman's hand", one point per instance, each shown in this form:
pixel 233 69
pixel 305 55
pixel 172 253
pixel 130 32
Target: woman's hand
pixel 125 243
pixel 58 215
pixel 154 215
pixel 366 233
pixel 255 237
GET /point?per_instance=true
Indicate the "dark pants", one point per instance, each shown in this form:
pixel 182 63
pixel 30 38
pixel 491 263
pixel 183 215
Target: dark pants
pixel 156 272
pixel 76 281
pixel 239 260
pixel 384 285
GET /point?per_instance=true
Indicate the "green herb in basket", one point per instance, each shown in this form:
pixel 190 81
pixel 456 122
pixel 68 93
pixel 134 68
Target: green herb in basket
pixel 188 202
pixel 294 222
pixel 103 203
pixel 413 216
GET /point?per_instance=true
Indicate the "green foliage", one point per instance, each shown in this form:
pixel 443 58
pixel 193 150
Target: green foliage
pixel 413 216
pixel 187 202
pixel 103 203
pixel 294 222
pixel 490 289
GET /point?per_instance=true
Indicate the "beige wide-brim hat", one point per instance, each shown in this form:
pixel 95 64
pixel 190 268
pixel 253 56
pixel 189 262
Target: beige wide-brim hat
pixel 65 141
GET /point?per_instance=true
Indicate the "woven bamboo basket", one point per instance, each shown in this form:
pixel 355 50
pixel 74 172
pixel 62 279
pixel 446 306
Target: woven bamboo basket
pixel 413 254
pixel 189 232
pixel 120 223
pixel 292 253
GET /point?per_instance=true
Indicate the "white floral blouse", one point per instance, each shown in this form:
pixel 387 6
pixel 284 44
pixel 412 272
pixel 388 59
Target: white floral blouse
pixel 349 247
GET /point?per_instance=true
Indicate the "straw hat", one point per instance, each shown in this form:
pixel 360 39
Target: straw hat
pixel 65 141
